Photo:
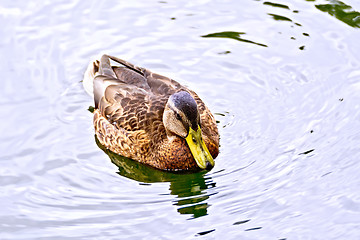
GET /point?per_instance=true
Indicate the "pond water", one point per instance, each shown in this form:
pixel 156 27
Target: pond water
pixel 281 77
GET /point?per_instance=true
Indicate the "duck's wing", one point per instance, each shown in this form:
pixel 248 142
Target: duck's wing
pixel 144 78
pixel 105 76
pixel 134 110
pixel 124 101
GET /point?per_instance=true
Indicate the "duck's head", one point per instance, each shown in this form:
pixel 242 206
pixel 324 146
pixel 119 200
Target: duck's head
pixel 181 118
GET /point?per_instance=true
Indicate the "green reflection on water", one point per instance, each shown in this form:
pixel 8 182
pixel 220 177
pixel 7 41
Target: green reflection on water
pixel 189 188
pixel 232 35
pixel 276 5
pixel 279 17
pixel 341 11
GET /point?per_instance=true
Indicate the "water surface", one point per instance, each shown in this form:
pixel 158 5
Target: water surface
pixel 282 78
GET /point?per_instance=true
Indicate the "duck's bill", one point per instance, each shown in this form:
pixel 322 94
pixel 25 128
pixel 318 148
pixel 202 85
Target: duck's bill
pixel 199 150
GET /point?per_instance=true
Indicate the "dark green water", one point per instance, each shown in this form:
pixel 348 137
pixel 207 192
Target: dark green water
pixel 282 78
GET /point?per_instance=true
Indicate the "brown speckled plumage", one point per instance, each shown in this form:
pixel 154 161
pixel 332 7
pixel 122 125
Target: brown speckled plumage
pixel 129 106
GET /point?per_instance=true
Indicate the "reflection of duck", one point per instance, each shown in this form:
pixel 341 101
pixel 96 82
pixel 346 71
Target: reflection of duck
pixel 189 189
pixel 192 195
pixel 151 118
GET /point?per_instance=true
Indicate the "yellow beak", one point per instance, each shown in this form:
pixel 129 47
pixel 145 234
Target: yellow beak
pixel 199 150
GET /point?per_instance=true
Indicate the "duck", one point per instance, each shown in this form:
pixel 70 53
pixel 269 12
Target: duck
pixel 150 118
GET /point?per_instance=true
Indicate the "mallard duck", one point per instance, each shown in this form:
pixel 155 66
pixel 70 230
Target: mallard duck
pixel 151 118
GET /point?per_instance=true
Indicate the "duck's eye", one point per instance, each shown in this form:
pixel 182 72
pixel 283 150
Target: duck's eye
pixel 178 117
pixel 194 140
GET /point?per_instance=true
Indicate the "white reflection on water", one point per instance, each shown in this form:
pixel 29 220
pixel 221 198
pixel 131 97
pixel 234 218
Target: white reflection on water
pixel 288 118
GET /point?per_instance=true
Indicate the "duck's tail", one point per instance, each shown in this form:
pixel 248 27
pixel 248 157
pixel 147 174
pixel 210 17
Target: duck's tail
pixel 100 66
pixel 89 75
